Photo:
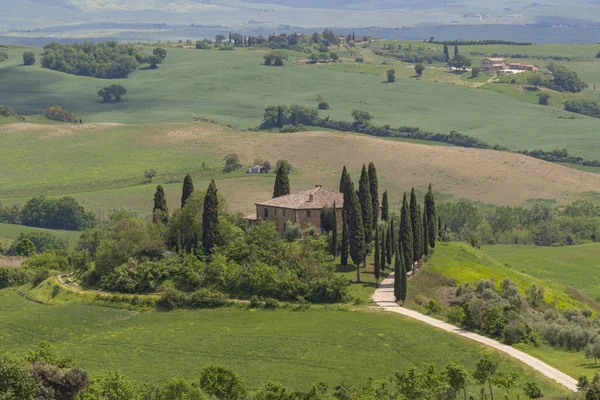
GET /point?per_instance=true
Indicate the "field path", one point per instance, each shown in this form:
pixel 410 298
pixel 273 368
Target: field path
pixel 384 297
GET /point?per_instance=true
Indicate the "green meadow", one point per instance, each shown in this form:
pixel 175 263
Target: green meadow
pixel 574 266
pixel 233 87
pixel 9 232
pixel 294 348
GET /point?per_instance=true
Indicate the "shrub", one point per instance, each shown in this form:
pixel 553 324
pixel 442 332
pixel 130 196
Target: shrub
pixel 7 111
pixel 64 213
pixel 456 315
pixel 56 113
pixel 292 231
pixel 24 247
pixel 222 383
pixel 11 276
pixel 585 107
pixel 323 105
pixel 28 58
pixel 359 59
pixel 42 241
pixel 543 98
pixel 433 307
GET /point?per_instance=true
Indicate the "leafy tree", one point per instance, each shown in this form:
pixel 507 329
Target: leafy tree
pixel 334 233
pixel 506 380
pixel 28 58
pixel 149 174
pixel 583 383
pixel 160 211
pixel 431 217
pixel 543 98
pixel 211 233
pixel 112 93
pixel 323 105
pixel 188 189
pixel 24 248
pixel 458 377
pixel 222 383
pixel 391 75
pixel 160 53
pixel 592 350
pixel 533 390
pixel 334 56
pixel 406 234
pixel 220 38
pixel 276 58
pixel 485 371
pixel 361 118
pixel 564 79
pixel 377 260
pixel 385 207
pixel 475 72
pixel 460 61
pixel 538 79
pixel 3 56
pixel 416 225
pixel 113 386
pixel 232 163
pixel 43 241
pixel 282 183
pixel 419 68
pixel 64 213
pixel 15 380
pixel 366 203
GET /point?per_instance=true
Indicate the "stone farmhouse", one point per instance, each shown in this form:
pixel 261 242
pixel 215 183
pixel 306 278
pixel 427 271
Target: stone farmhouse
pixel 499 65
pixel 303 207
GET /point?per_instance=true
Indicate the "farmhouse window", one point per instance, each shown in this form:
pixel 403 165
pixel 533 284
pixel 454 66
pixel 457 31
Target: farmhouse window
pixel 308 214
pixel 266 213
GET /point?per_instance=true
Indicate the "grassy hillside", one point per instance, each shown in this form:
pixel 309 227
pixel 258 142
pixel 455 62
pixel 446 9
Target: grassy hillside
pixel 9 232
pixel 575 266
pixel 294 348
pixel 110 161
pixel 234 88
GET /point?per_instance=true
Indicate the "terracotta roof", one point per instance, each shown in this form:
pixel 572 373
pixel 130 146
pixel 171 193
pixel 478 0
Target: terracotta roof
pixel 315 198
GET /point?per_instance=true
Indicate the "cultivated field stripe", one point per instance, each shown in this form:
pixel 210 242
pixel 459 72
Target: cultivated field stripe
pixel 384 297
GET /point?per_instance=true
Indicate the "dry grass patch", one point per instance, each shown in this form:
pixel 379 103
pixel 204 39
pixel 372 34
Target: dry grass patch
pixel 15 262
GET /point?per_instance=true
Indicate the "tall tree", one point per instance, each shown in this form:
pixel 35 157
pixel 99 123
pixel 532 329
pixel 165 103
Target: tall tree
pixel 390 243
pixel 377 262
pixel 366 204
pixel 421 232
pixel 343 180
pixel 385 207
pixel 345 240
pixel 282 183
pixel 356 233
pixel 415 223
pixel 374 185
pixel 397 271
pixel 431 218
pixel 406 235
pixel 188 189
pixel 160 212
pixel 455 49
pixel 403 275
pixel 439 227
pixel 280 117
pixel 446 53
pixel 383 231
pixel 425 235
pixel 211 233
pixel 334 233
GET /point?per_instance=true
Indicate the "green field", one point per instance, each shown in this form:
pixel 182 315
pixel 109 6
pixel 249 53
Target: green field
pixel 9 232
pixel 574 266
pixel 294 348
pixel 234 88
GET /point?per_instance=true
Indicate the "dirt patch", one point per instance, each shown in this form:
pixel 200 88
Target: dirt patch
pixel 52 131
pixel 13 262
pixel 177 133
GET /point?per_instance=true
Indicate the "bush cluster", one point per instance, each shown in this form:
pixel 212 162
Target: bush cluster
pixel 57 113
pixel 63 213
pixel 479 42
pixel 585 107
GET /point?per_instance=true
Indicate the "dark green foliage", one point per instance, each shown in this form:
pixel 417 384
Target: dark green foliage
pixel 10 276
pixel 383 232
pixel 200 298
pixel 42 241
pixel 446 53
pixel 222 383
pixel 7 111
pixel 211 233
pixel 187 190
pixel 3 56
pixel 158 56
pixel 282 183
pixel 149 174
pixel 398 267
pixel 390 247
pixel 585 107
pixel 456 50
pixel 416 223
pixel 405 237
pixel 391 76
pixel 64 213
pixel 377 261
pixel 362 119
pixel 419 68
pixel 28 58
pixel 425 228
pixel 402 285
pixel 565 80
pixel 24 247
pixel 343 180
pixel 431 217
pixel 533 391
pixel 475 72
pixel 543 99
pixel 374 185
pixel 112 93
pixel 101 60
pixel 57 113
pixel 356 233
pixel 334 232
pixel 345 239
pixel 485 370
pixel 460 61
pixel 160 211
pixel 326 219
pixel 276 58
pixel 278 116
pixel 232 163
pixel 385 207
pixel 15 381
pixel 283 164
pixel 366 203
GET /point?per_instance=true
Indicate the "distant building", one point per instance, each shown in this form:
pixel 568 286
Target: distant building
pixel 303 208
pixel 522 67
pixel 493 64
pixel 257 169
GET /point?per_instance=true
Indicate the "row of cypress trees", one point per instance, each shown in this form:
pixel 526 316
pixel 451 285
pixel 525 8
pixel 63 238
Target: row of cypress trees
pixel 211 233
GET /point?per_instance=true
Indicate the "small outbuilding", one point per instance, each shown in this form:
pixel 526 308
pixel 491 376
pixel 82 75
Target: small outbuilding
pixel 257 169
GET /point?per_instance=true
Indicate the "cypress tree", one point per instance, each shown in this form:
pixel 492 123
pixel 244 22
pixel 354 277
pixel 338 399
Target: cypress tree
pixel 188 189
pixel 406 235
pixel 211 234
pixel 397 272
pixel 385 208
pixel 280 117
pixel 455 49
pixel 343 180
pixel 344 249
pixel 389 248
pixel 421 232
pixel 440 230
pixel 403 277
pixel 282 183
pixel 160 212
pixel 366 203
pixel 373 184
pixel 446 53
pixel 356 233
pixel 383 232
pixel 377 262
pixel 431 218
pixel 415 222
pixel 334 233
pixel 425 235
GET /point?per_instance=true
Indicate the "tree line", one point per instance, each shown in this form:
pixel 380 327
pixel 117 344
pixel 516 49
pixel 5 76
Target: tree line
pixel 108 60
pixel 44 374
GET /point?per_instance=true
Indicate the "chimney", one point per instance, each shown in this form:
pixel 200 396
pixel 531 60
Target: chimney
pixel 310 198
pixel 318 186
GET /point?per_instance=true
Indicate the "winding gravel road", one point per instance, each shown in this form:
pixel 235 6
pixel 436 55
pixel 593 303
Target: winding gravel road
pixel 384 297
